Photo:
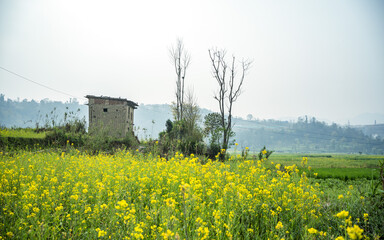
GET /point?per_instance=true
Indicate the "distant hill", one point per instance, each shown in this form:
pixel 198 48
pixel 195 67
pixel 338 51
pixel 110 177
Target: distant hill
pixel 312 136
pixel 302 135
pixel 32 113
pixel 376 131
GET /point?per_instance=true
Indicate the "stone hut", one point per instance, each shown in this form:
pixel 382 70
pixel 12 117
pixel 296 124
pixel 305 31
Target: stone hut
pixel 115 115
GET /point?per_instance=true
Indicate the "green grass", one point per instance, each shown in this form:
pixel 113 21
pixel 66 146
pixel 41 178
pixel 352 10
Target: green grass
pixel 329 160
pixel 338 166
pixel 21 133
pixel 346 173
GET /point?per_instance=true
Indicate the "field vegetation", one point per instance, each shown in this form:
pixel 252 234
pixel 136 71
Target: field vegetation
pixel 341 166
pixel 131 195
pixel 22 133
pixel 65 183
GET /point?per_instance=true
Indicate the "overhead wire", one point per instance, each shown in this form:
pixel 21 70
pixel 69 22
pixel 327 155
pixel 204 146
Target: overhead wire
pixel 40 84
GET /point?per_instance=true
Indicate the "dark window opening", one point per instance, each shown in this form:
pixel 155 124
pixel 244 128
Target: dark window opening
pixel 105 109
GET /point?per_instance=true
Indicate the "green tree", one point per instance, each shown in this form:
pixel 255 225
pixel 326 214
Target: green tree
pixel 213 128
pixel 184 135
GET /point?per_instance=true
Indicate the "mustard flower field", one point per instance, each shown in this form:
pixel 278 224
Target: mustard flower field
pixel 129 195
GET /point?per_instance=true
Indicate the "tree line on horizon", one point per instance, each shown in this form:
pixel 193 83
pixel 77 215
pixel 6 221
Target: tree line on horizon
pixel 302 135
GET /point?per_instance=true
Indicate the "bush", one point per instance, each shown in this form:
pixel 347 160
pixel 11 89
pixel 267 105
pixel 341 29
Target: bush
pixel 59 137
pixel 213 150
pixel 14 143
pixel 99 140
pixel 180 137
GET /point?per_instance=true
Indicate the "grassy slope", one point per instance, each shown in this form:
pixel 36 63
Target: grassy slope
pixel 21 133
pixel 340 166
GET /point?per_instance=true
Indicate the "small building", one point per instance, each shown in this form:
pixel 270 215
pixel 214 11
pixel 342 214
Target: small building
pixel 115 115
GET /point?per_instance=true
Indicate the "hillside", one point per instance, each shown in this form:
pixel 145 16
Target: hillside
pixel 313 136
pixel 376 131
pixel 303 135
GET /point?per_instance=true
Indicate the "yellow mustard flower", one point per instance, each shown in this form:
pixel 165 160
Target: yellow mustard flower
pixel 279 225
pixel 343 214
pixel 355 232
pixel 312 231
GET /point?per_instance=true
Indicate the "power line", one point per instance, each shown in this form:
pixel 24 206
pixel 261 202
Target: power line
pixel 42 85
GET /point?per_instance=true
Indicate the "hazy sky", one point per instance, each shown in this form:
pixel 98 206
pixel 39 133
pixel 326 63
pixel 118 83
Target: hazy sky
pixel 319 58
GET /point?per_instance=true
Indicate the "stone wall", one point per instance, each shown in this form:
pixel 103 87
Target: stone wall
pixel 114 116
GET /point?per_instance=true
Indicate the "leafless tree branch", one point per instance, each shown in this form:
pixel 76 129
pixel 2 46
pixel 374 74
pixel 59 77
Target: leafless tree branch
pixel 229 89
pixel 180 59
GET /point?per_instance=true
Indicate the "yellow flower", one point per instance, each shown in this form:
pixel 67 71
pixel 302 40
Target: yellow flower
pixel 304 161
pixel 101 233
pixel 279 225
pixel 355 232
pixel 348 221
pixel 167 234
pixel 277 166
pixel 59 208
pixel 264 151
pixel 88 209
pixel 339 238
pixel 342 214
pixel 340 196
pixel 312 231
pixel 74 197
pixel 121 204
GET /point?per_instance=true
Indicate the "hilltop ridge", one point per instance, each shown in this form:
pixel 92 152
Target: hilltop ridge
pixel 302 135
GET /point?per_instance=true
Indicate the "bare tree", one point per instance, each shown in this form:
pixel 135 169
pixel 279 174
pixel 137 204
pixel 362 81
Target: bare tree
pixel 180 59
pixel 230 86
